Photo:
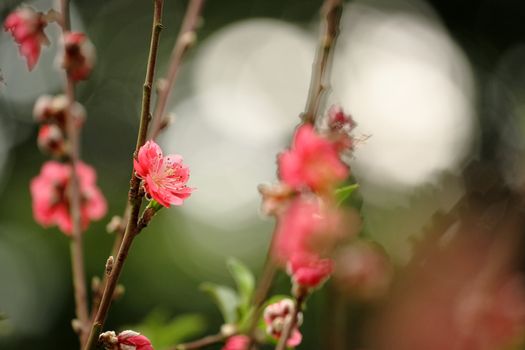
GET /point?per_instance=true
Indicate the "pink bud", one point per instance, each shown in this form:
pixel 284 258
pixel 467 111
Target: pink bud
pixel 277 315
pixel 27 28
pixel 130 340
pixel 51 140
pixel 164 177
pixel 79 55
pixel 49 109
pixel 309 270
pixel 237 342
pixel 338 120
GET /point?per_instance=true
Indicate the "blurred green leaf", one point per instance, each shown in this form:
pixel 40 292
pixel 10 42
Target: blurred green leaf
pixel 245 283
pixel 226 300
pixel 343 193
pixel 164 333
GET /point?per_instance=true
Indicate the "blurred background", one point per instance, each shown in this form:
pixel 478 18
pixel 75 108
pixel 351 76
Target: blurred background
pixel 437 89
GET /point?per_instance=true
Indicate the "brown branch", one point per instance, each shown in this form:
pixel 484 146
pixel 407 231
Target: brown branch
pixel 201 343
pixel 119 235
pixel 185 40
pixel 134 199
pixel 76 244
pixel 261 293
pixel 289 326
pixel 331 14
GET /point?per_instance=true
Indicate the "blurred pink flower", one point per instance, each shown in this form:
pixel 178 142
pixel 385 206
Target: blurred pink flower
pixel 130 340
pixel 50 196
pixel 237 342
pixel 308 227
pixel 312 162
pixel 277 315
pixel 79 55
pixel 165 177
pixel 294 229
pixel 27 28
pixel 309 270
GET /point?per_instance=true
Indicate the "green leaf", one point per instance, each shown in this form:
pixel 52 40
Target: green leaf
pixel 163 332
pixel 343 193
pixel 245 283
pixel 226 300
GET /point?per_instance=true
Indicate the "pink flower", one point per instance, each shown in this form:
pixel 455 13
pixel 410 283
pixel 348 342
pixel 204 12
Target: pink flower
pixel 309 270
pixel 27 28
pixel 312 162
pixel 237 342
pixel 79 55
pixel 277 315
pixel 50 196
pixel 130 340
pixel 164 178
pixel 306 228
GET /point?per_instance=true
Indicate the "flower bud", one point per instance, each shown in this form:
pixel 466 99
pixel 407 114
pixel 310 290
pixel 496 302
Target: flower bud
pixel 277 315
pixel 53 109
pixel 237 342
pixel 126 340
pixel 51 140
pixel 79 56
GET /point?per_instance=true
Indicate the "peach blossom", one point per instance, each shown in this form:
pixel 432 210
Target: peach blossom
pixel 164 177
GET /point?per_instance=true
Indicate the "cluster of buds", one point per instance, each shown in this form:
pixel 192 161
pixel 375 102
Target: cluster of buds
pixel 277 316
pixel 52 114
pixel 308 220
pixel 126 340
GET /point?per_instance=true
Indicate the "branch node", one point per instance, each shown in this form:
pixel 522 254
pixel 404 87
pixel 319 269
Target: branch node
pixel 109 265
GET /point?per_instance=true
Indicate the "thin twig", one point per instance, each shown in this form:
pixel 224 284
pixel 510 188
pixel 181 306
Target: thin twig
pixel 331 15
pixel 201 343
pixel 185 39
pixel 265 283
pixel 290 325
pixel 76 244
pixel 134 199
pixel 119 236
